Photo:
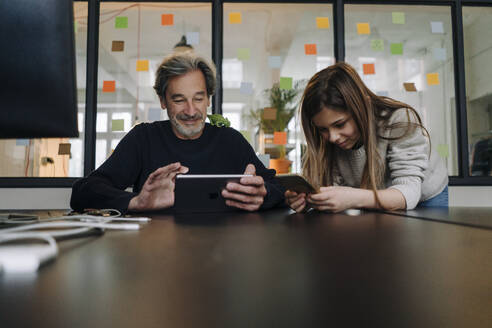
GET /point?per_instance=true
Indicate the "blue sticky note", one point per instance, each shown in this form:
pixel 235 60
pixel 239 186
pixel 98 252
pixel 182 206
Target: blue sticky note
pixel 437 27
pixel 382 93
pixel 193 38
pixel 22 142
pixel 246 88
pixel 274 61
pixel 439 53
pixel 154 114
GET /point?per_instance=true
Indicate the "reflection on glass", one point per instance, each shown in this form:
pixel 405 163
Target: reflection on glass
pixel 267 44
pixel 477 28
pixel 406 53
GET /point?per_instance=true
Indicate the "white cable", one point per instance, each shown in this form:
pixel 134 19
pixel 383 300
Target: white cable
pixel 115 226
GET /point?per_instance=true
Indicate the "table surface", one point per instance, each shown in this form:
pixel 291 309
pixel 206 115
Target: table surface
pixel 266 269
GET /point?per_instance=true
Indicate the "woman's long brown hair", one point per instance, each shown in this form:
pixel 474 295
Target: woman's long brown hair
pixel 339 87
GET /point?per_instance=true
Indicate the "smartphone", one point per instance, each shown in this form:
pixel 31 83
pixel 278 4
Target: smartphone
pixel 295 182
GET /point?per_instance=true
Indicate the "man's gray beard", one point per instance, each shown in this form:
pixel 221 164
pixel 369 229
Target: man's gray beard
pixel 187 132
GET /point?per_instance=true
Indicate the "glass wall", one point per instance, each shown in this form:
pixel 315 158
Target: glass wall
pixel 270 47
pixel 133 40
pixel 406 53
pixel 477 29
pixel 53 157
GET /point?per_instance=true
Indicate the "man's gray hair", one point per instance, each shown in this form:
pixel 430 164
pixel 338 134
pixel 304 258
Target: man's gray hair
pixel 179 64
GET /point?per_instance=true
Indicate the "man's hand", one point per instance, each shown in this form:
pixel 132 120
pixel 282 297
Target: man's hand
pixel 333 199
pixel 296 201
pixel 248 194
pixel 158 190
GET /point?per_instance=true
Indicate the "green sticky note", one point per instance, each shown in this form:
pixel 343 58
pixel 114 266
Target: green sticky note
pixel 397 48
pixel 377 44
pixel 398 17
pixel 121 22
pixel 443 150
pixel 285 83
pixel 247 135
pixel 243 53
pixel 75 26
pixel 118 125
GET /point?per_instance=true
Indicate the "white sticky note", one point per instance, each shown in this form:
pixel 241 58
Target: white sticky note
pixel 439 53
pixel 437 27
pixel 193 38
pixel 246 88
pixel 154 114
pixel 22 142
pixel 274 61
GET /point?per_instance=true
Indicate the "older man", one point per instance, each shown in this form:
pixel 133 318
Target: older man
pixel 151 155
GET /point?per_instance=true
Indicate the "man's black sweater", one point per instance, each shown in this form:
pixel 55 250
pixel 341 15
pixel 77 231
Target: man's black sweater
pixel 149 146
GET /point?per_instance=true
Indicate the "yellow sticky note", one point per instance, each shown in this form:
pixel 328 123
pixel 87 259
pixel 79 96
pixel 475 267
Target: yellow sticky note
pixel 443 150
pixel 363 28
pixel 118 125
pixel 322 22
pixel 142 65
pixel 433 78
pixel 235 18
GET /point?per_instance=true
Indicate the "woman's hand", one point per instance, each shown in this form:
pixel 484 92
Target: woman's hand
pixel 296 201
pixel 333 199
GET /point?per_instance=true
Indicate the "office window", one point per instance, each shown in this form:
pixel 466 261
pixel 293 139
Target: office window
pixel 265 44
pixel 133 40
pixel 406 53
pixel 52 157
pixel 477 28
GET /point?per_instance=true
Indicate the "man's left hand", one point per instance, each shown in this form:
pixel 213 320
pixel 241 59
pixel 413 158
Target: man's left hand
pixel 248 194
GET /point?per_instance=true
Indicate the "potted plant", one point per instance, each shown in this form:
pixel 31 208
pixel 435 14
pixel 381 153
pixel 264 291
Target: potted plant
pixel 275 118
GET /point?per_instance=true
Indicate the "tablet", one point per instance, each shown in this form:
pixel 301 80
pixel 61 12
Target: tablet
pixel 199 193
pixel 295 182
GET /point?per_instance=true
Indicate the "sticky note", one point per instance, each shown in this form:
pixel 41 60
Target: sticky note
pixel 398 17
pixel 285 83
pixel 154 114
pixel 22 142
pixel 433 78
pixel 363 28
pixel 142 65
pixel 118 46
pixel 64 149
pixel 443 150
pixel 310 49
pixel 383 93
pixel 243 54
pixel 109 86
pixel 246 88
pixel 274 61
pixel 75 26
pixel 118 125
pixel 396 48
pixel 368 69
pixel 235 18
pixel 265 159
pixel 167 19
pixel 280 138
pixel 437 27
pixel 377 44
pixel 193 38
pixel 247 135
pixel 269 113
pixel 439 53
pixel 322 22
pixel 410 87
pixel 121 22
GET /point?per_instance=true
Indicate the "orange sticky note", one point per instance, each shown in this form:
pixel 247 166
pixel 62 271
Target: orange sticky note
pixel 368 69
pixel 64 149
pixel 269 113
pixel 410 87
pixel 310 49
pixel 142 65
pixel 280 138
pixel 433 78
pixel 167 19
pixel 322 22
pixel 109 86
pixel 117 45
pixel 363 28
pixel 235 18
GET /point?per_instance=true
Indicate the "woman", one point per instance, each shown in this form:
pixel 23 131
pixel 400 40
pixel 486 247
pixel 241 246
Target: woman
pixel 363 150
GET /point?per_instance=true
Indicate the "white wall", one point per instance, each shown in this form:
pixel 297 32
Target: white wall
pixel 59 198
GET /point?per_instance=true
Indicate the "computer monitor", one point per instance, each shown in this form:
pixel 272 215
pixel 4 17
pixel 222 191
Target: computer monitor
pixel 37 69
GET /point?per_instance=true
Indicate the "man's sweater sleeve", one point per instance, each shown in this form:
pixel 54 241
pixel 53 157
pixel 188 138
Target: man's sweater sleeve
pixel 105 187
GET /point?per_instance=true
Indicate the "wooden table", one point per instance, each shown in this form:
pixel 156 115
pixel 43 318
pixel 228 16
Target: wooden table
pixel 267 269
